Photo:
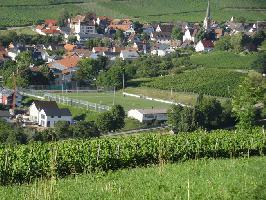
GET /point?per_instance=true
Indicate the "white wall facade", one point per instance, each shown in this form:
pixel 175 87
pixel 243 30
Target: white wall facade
pixel 50 121
pixel 34 113
pixel 136 114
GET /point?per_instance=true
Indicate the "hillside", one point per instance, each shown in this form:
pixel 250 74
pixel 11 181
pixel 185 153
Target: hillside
pixel 208 179
pixel 26 12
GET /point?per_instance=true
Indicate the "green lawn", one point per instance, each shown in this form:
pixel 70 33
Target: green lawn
pixel 224 60
pixel 19 31
pixel 180 97
pixel 23 12
pixel 243 179
pixel 109 98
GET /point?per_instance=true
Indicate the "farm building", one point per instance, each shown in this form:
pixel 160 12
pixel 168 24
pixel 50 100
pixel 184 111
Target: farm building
pixel 47 113
pixel 144 115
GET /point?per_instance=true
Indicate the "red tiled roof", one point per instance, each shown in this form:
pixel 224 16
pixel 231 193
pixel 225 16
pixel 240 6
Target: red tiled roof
pixel 40 27
pixel 207 43
pixel 100 49
pixel 70 47
pixel 50 31
pixel 69 61
pixel 50 21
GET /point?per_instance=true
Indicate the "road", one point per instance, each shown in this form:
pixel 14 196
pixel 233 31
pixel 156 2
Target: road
pixel 135 131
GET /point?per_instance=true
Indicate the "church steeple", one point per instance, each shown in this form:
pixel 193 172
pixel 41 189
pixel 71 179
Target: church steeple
pixel 207 19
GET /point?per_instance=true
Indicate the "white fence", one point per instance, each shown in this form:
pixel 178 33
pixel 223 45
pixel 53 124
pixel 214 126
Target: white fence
pixel 76 102
pixel 154 99
pixel 65 100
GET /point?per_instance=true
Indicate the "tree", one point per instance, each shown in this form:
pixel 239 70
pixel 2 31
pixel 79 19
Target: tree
pixel 237 42
pixel 62 20
pixel 258 38
pixel 223 44
pixel 112 78
pixel 201 34
pixel 177 34
pixel 62 130
pixel 249 93
pixel 181 119
pixel 208 113
pixel 119 36
pixel 118 116
pixel 72 39
pixel 260 63
pixel 88 70
pixel 104 122
pixel 138 27
pixel 84 129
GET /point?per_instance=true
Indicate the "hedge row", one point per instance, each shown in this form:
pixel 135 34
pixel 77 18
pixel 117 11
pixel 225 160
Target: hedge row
pixel 26 162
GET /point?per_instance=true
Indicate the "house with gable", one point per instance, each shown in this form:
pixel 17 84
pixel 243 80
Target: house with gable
pixel 47 113
pixel 49 27
pixel 129 55
pixel 83 26
pixel 204 46
pixel 65 69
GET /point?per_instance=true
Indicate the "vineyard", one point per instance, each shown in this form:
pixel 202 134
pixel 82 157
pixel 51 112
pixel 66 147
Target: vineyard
pixel 24 163
pixel 25 12
pixel 224 60
pixel 214 82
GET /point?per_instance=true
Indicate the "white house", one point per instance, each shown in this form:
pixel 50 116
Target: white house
pixel 129 55
pixel 144 115
pixel 83 26
pixel 47 113
pixel 190 34
pixel 204 45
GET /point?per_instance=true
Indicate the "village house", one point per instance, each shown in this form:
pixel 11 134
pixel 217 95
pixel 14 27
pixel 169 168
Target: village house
pixel 190 34
pixel 14 49
pixel 7 96
pixel 148 29
pixel 129 55
pixel 103 21
pixel 110 55
pixel 164 28
pixel 83 26
pixel 99 49
pixel 146 115
pixel 65 69
pixel 48 28
pixel 162 50
pixel 3 55
pixel 125 25
pixel 161 37
pixel 204 46
pixel 47 113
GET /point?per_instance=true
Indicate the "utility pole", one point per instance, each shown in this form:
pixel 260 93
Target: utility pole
pixel 123 79
pixel 114 97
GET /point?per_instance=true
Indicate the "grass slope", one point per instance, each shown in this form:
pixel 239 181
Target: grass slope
pixel 22 12
pixel 243 179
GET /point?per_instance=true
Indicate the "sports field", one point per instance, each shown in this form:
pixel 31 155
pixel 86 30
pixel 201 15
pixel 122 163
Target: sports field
pixel 117 98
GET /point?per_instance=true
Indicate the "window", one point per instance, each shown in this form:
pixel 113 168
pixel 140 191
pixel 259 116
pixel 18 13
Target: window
pixel 52 116
pixel 48 123
pixel 59 116
pixel 42 116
